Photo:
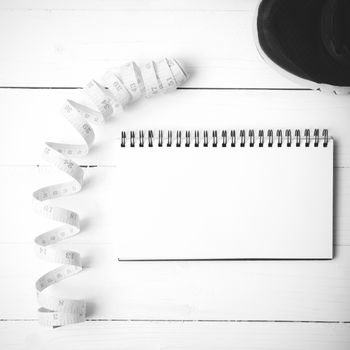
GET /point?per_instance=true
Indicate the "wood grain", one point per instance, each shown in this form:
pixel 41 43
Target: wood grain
pixel 64 43
pixel 284 290
pixel 32 116
pixel 58 44
pixel 95 204
pixel 135 5
pixel 191 290
pixel 176 335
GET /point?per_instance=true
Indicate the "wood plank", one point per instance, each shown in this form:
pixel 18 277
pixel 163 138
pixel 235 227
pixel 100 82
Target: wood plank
pixel 63 43
pixel 95 205
pixel 187 290
pixel 32 117
pixel 221 290
pixel 135 5
pixel 176 335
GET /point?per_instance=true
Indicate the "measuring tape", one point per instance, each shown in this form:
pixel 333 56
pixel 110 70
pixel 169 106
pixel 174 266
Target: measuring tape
pixel 124 85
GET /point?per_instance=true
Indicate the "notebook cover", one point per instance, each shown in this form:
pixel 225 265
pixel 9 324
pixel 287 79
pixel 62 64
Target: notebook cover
pixel 224 202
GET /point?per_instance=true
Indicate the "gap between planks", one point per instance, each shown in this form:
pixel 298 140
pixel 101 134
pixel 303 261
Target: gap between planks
pixel 185 320
pixel 178 88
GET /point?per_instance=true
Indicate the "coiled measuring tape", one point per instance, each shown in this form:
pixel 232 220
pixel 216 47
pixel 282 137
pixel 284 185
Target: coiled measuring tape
pixel 118 88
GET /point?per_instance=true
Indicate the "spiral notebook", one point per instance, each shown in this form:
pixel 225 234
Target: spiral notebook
pixel 224 194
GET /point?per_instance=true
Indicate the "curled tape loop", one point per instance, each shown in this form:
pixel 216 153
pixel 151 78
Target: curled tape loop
pixel 119 88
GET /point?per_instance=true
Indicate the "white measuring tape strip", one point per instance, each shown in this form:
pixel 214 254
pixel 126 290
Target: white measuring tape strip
pixel 125 85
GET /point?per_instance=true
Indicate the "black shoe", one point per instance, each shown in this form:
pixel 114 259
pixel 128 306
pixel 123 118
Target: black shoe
pixel 307 40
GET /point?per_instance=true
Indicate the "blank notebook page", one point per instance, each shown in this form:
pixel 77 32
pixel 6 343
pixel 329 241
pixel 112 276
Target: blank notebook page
pixel 224 202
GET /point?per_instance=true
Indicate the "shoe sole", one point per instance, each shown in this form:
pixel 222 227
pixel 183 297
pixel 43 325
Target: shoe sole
pixel 337 90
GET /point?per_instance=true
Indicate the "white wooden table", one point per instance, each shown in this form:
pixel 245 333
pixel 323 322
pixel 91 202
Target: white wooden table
pixel 49 49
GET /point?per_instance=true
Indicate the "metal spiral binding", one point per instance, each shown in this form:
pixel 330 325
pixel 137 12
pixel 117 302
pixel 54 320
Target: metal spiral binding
pixel 196 138
pixel 316 137
pixel 261 138
pixel 251 138
pixel 141 139
pixel 119 88
pixel 188 139
pixel 224 138
pixel 307 137
pixel 160 138
pixel 288 137
pixel 215 138
pixel 325 137
pixel 205 139
pixel 242 138
pixel 170 138
pixel 150 138
pixel 297 138
pixel 132 139
pixel 279 138
pixel 178 138
pixel 270 137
